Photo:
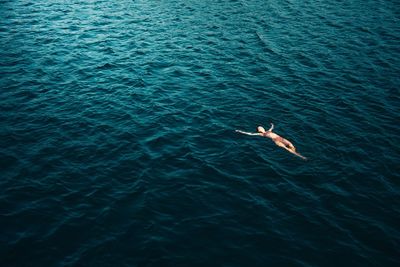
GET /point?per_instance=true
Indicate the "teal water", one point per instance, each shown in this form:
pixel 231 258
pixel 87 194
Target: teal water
pixel 117 142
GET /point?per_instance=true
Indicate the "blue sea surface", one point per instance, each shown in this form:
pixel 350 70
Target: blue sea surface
pixel 118 143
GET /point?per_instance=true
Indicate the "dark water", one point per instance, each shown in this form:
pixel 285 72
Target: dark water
pixel 118 145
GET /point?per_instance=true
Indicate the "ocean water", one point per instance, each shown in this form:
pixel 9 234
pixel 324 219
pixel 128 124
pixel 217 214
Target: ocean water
pixel 118 143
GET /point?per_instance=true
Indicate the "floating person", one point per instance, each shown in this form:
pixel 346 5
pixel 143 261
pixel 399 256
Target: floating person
pixel 279 141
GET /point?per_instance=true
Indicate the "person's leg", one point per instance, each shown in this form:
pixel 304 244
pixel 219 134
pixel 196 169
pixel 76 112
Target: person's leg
pixel 280 144
pixel 289 145
pixel 293 151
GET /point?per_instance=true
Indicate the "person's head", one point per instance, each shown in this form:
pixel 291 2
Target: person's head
pixel 260 129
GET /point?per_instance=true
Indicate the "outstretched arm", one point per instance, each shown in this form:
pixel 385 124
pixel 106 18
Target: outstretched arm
pixel 239 131
pixel 272 127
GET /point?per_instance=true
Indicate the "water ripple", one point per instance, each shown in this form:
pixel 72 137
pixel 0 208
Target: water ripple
pixel 118 144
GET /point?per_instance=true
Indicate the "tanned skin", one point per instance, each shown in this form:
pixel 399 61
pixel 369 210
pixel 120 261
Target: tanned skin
pixel 279 140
